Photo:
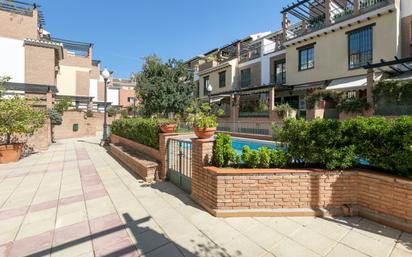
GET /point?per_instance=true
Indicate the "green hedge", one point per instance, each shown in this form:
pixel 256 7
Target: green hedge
pixel 141 130
pixel 333 144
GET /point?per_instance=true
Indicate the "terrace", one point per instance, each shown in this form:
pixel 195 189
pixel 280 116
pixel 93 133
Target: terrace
pixel 219 56
pixel 22 8
pixel 80 49
pixel 313 15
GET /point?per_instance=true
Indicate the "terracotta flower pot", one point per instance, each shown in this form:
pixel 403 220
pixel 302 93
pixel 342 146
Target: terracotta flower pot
pixel 204 133
pixel 10 153
pixel 168 128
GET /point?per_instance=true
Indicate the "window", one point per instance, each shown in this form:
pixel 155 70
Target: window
pixel 245 79
pixel 360 47
pixel 205 84
pixel 130 99
pixel 222 79
pixel 280 72
pixel 307 58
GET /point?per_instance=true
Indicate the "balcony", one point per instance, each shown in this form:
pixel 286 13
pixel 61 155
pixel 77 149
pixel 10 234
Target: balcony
pixel 250 51
pixel 22 8
pixel 313 15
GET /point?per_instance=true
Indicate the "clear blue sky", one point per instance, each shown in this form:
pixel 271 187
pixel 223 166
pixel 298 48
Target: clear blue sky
pixel 124 31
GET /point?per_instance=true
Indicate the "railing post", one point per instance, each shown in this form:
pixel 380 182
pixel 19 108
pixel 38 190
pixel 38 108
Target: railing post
pixel 163 139
pixel 202 152
pixel 370 78
pixel 356 7
pixel 328 20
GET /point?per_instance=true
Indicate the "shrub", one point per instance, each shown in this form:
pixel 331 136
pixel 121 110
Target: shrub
pixel 386 144
pixel 284 110
pixel 141 130
pixel 202 116
pixel 264 158
pixel 322 94
pixel 63 104
pixel 111 111
pixel 317 143
pixel 223 153
pixel 55 117
pixel 89 114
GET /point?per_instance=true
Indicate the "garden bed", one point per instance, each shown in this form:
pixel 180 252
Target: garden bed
pixel 229 192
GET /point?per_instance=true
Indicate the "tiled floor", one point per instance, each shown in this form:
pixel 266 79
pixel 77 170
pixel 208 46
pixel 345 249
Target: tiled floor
pixel 76 200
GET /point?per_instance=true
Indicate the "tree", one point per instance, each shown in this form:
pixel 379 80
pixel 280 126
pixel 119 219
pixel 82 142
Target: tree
pixel 63 104
pixel 18 117
pixel 164 88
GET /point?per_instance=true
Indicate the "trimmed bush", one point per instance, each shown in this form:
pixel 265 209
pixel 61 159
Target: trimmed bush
pixel 333 144
pixel 141 130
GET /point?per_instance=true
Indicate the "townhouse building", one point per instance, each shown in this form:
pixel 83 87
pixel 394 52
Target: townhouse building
pixel 322 44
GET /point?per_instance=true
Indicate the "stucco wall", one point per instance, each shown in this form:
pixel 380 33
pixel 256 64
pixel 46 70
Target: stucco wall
pixel 331 51
pixel 406 8
pixel 93 84
pixel 66 79
pixel 40 65
pixel 231 75
pixel 12 58
pixel 113 96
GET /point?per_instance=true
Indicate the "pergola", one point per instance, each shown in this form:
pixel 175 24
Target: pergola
pixel 395 67
pixel 316 14
pixel 78 48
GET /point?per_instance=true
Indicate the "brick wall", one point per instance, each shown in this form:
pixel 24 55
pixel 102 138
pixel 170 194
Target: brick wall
pixel 18 26
pixel 40 65
pixel 282 189
pixel 282 192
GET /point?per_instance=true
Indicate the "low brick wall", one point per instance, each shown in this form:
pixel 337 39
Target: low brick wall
pixel 88 126
pixel 230 192
pixel 151 152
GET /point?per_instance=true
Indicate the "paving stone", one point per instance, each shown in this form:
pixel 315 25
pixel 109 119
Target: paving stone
pixel 367 245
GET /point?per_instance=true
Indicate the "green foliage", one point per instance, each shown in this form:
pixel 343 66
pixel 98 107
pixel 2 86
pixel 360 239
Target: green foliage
pixel 386 144
pixel 55 117
pixel 353 105
pixel 201 115
pixel 63 104
pixel 284 110
pixel 3 80
pixel 223 153
pixel 142 130
pixel 124 114
pixel 393 92
pixel 317 143
pixel 111 111
pixel 19 117
pixel 89 113
pixel 264 158
pixel 164 88
pixel 322 94
pixel 278 159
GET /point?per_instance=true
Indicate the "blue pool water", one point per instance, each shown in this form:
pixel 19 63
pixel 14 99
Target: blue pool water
pixel 239 143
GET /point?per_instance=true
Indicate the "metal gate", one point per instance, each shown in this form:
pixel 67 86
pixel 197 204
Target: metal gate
pixel 179 163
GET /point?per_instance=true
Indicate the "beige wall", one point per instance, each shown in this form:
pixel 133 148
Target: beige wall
pixel 67 79
pixel 18 26
pixel 231 78
pixel 123 95
pixel 40 65
pixel 331 51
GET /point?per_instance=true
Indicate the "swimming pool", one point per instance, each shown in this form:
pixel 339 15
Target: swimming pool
pixel 254 144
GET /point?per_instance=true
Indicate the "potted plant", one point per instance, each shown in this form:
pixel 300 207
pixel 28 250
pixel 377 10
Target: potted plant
pixel 169 125
pixel 285 111
pixel 203 120
pixel 18 119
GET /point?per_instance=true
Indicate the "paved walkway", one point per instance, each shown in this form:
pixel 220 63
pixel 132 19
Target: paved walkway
pixel 76 200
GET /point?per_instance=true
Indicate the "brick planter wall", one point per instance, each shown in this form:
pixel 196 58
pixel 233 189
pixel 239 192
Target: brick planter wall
pixel 285 192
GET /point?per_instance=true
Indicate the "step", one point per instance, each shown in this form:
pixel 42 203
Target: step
pixel 145 167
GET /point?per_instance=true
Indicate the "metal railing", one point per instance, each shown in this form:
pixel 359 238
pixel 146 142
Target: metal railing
pixel 179 163
pixel 368 4
pixel 255 128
